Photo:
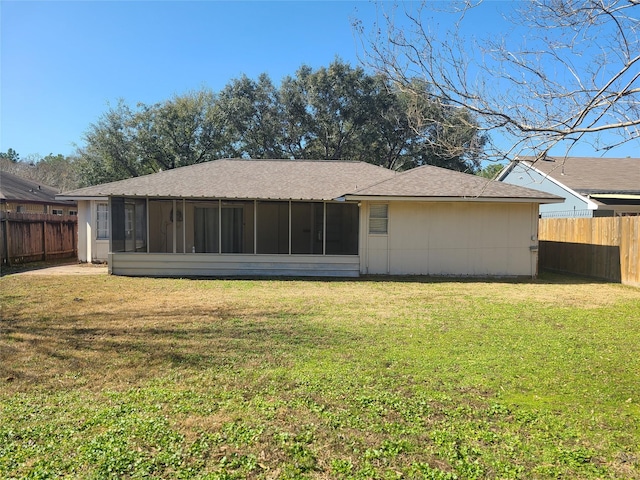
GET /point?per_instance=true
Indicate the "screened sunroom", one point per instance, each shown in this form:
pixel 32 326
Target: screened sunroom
pixel 225 236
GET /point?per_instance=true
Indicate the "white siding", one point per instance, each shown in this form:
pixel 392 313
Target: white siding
pixel 90 249
pixel 227 265
pixel 456 238
pixel 84 231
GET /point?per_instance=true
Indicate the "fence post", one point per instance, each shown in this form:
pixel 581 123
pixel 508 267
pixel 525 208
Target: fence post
pixel 7 233
pixel 74 241
pixel 44 238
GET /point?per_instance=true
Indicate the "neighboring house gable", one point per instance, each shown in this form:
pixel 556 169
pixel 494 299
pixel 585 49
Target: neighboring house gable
pixel 590 186
pixel 330 218
pixel 21 195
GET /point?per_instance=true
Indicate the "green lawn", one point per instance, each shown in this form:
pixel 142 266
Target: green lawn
pixel 113 377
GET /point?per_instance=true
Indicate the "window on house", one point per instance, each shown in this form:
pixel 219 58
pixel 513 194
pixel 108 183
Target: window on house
pixel 73 212
pixel 102 221
pixel 379 219
pixel 20 209
pixel 56 211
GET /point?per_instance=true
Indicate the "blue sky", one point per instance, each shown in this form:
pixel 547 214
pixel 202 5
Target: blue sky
pixel 63 63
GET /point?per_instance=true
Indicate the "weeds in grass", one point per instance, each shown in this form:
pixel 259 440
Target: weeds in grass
pixel 121 377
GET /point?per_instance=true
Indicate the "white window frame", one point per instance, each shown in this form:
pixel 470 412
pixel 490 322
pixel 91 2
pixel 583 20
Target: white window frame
pixel 379 219
pixel 102 221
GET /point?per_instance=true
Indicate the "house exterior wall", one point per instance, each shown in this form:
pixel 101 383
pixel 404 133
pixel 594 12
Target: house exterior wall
pixel 35 207
pixel 453 238
pixel 524 176
pixel 84 231
pixel 90 248
pixel 423 238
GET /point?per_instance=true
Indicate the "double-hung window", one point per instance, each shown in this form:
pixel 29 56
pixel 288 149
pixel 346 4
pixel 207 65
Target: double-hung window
pixel 378 219
pixel 102 221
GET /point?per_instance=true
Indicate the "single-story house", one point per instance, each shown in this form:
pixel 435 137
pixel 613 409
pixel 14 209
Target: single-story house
pixel 239 217
pixel 21 195
pixel 591 186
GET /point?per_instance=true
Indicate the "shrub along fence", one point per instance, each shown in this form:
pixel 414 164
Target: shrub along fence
pixel 607 248
pixel 31 237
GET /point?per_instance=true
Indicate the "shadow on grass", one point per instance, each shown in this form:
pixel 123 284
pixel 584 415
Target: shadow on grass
pixel 130 345
pixel 544 278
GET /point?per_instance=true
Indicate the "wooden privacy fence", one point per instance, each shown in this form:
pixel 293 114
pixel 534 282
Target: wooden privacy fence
pixel 607 248
pixel 30 237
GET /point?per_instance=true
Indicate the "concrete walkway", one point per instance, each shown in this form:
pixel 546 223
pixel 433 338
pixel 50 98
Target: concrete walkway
pixel 69 269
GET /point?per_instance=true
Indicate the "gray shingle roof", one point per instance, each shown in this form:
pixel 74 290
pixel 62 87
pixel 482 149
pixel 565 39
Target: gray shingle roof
pixel 429 181
pixel 248 179
pixel 306 180
pixel 15 188
pixel 592 174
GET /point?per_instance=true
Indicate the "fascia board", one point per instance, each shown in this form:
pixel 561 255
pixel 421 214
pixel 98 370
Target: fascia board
pixel 506 171
pixel 71 197
pixel 619 196
pixel 453 199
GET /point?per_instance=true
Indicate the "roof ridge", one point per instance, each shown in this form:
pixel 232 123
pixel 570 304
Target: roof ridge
pixel 298 160
pixel 396 174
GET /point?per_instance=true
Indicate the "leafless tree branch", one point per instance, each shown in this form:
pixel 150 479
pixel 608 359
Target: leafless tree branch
pixel 567 72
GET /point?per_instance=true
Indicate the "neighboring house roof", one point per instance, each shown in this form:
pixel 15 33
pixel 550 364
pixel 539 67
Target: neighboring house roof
pixel 308 180
pixel 591 175
pixel 434 182
pixel 17 189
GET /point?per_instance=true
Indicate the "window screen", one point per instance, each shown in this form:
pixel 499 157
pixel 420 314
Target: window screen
pixel 378 219
pixel 342 229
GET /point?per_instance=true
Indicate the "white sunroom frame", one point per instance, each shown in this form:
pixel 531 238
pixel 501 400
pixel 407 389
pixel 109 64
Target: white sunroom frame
pixel 188 263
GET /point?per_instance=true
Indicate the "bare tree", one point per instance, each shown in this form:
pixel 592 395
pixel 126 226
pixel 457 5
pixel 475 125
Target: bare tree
pixel 566 71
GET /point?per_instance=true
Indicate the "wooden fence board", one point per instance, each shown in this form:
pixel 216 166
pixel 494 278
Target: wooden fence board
pixel 630 249
pixel 28 237
pixel 607 248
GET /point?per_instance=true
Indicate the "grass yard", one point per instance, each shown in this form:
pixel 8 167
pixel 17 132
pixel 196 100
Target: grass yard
pixel 113 377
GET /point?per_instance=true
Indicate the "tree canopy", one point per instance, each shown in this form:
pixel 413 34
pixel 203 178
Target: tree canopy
pixel 337 112
pixel 53 170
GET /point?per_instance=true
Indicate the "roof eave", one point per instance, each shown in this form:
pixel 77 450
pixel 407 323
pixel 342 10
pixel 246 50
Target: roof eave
pixel 79 198
pixel 389 198
pixel 56 201
pixel 202 198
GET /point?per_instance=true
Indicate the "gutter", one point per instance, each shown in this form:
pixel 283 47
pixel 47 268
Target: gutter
pixel 389 198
